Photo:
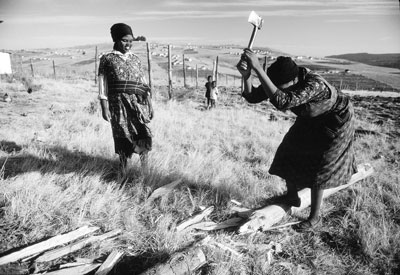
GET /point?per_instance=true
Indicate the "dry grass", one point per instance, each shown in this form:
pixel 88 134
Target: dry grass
pixel 58 172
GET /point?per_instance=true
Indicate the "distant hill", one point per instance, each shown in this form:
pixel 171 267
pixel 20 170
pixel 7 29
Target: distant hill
pixel 390 60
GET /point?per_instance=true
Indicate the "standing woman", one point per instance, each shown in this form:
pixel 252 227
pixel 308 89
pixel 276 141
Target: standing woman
pixel 317 152
pixel 125 98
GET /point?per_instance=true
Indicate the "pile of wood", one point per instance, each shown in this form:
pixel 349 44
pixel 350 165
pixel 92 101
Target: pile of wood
pixel 60 246
pixel 185 262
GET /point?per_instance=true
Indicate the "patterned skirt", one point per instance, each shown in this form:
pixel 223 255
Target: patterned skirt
pixel 129 124
pixel 318 152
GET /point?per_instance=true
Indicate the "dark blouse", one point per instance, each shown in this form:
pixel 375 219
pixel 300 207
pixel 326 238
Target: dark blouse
pixel 312 92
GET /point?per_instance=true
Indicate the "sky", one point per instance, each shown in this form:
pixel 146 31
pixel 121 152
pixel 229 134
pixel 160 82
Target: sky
pixel 304 27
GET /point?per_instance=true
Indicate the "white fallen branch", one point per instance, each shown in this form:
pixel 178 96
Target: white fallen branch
pixel 77 270
pixel 209 226
pixel 195 219
pixel 110 262
pixel 62 251
pixel 48 244
pixel 162 191
pixel 265 218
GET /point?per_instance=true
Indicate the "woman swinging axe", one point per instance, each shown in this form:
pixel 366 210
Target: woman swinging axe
pixel 317 152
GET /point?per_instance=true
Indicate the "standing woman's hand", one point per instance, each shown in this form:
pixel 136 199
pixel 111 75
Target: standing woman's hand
pixel 105 112
pixel 151 110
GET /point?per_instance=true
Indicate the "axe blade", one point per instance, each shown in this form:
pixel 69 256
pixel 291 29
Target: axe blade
pixel 255 20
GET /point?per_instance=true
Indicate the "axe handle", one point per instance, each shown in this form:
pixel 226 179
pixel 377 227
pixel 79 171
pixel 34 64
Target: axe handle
pixel 253 36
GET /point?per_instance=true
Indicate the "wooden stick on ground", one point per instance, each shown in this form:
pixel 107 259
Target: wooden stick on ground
pixel 48 244
pixel 162 191
pixel 210 226
pixel 62 251
pixel 77 270
pixel 110 262
pixel 195 219
pixel 266 217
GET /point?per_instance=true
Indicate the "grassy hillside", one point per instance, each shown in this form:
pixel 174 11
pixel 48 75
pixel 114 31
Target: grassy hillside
pixel 79 62
pixel 391 60
pixel 58 172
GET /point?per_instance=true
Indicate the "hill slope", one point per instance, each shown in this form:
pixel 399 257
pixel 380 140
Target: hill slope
pixel 391 60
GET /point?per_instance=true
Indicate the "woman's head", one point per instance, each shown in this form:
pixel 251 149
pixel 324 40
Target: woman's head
pixel 283 72
pixel 122 36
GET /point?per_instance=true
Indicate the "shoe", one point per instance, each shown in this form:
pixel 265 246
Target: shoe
pixel 306 225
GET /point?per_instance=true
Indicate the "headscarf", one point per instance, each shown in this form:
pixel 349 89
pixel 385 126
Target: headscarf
pixel 119 30
pixel 283 70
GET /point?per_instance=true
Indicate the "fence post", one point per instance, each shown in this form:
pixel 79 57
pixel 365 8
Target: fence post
pixel 20 66
pixel 213 71
pixel 184 71
pixel 33 73
pixel 95 66
pixel 197 77
pixel 169 73
pixel 265 64
pixel 54 70
pixel 149 66
pixel 216 69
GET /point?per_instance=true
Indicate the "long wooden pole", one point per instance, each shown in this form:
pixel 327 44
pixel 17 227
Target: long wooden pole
pixel 184 71
pixel 216 69
pixel 265 64
pixel 197 77
pixel 149 66
pixel 169 73
pixel 33 73
pixel 213 71
pixel 54 70
pixel 95 66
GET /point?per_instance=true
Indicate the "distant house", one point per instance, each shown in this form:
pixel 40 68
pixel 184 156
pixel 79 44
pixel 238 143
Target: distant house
pixel 5 63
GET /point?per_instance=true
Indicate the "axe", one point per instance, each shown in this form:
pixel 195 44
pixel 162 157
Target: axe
pixel 257 22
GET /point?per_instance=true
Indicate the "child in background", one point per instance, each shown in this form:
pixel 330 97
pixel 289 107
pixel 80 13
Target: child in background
pixel 213 94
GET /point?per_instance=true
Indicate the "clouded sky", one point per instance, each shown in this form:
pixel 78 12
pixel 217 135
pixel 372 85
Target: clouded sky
pixel 303 27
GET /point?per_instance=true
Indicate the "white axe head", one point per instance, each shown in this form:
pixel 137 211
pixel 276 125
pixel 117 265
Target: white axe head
pixel 255 20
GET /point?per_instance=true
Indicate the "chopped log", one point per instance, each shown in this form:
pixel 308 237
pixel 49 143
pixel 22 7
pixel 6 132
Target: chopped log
pixel 48 244
pixel 69 265
pixel 162 191
pixel 209 226
pixel 195 219
pixel 77 270
pixel 266 217
pixel 62 251
pixel 180 263
pixel 199 226
pixel 110 262
pixel 242 211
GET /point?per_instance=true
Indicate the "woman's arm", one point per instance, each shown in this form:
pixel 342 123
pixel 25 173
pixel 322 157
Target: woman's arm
pixel 252 60
pixel 103 93
pixel 250 93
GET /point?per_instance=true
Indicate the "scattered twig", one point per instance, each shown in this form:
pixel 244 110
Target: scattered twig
pixel 48 244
